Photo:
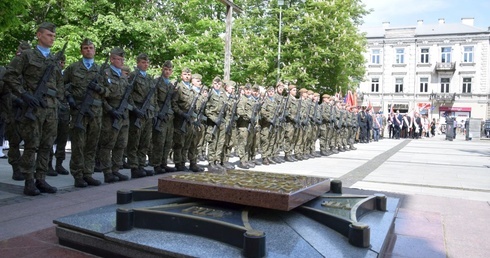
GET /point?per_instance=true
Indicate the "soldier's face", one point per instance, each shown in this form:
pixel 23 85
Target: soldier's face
pixel 143 64
pixel 167 72
pixel 280 89
pixel 88 51
pixel 216 85
pixel 117 61
pixel 186 76
pixel 196 82
pixel 293 92
pixel 229 89
pixel 46 38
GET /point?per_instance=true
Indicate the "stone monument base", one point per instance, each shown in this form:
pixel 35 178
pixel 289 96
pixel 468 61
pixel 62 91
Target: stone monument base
pixel 148 223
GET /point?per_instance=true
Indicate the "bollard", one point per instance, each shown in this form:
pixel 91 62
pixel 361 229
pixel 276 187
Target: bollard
pixel 254 244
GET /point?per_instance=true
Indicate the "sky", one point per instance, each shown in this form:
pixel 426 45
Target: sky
pixel 407 12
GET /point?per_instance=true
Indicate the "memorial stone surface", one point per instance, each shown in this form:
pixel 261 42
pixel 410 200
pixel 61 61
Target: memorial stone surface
pixel 239 213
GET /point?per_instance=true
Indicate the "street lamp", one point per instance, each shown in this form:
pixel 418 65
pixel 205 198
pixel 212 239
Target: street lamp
pixel 280 3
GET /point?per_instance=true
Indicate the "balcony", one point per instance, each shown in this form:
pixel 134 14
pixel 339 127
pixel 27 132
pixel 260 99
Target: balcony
pixel 442 97
pixel 445 67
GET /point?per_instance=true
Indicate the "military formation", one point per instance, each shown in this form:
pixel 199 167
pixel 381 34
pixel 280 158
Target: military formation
pixel 116 118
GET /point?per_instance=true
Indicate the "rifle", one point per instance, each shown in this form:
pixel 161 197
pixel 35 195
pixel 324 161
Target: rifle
pixel 298 115
pixel 162 114
pixel 88 100
pixel 230 125
pixel 307 117
pixel 341 122
pixel 147 102
pixel 42 87
pixel 190 112
pixel 284 110
pixel 315 114
pixel 220 116
pixel 124 104
pixel 274 121
pixel 253 117
pixel 330 124
pixel 200 115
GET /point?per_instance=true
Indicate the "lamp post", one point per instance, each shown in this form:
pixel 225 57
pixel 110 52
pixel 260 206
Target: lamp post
pixel 280 3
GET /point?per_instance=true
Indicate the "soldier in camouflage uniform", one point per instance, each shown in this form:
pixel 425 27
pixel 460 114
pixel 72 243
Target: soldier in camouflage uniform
pixel 81 80
pixel 343 129
pixel 216 125
pixel 114 139
pixel 244 113
pixel 230 132
pixel 300 124
pixel 11 104
pixel 196 84
pixel 335 137
pixel 139 142
pixel 268 115
pixel 61 136
pixel 290 126
pixel 316 122
pixel 202 145
pixel 278 141
pixel 39 134
pixel 325 125
pixel 184 133
pixel 163 123
pixel 353 128
pixel 254 127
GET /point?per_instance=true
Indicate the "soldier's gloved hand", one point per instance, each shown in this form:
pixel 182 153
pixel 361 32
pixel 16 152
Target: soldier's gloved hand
pixel 18 103
pixel 246 118
pixel 161 117
pixel 30 100
pixel 138 113
pixel 72 102
pixel 115 114
pixel 43 103
pixel 95 87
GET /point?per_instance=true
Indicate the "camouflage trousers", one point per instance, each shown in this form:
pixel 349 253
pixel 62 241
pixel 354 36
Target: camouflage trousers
pixel 84 144
pixel 38 136
pixel 139 142
pixel 112 143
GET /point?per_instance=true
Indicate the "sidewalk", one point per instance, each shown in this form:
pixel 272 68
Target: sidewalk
pixel 444 187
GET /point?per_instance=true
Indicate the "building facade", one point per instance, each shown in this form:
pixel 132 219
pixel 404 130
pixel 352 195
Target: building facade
pixel 438 69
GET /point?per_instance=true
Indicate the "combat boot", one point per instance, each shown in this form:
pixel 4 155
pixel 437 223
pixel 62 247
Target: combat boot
pixel 266 161
pixel 30 188
pixel 227 166
pixel 92 181
pixel 316 155
pixel 44 187
pixel 352 147
pixel 137 173
pixel 243 165
pixel 147 172
pixel 334 151
pixel 80 183
pixel 195 168
pixel 180 167
pixel 110 178
pixel 212 167
pixel 17 175
pixel 271 161
pixel 251 164
pixel 60 169
pixel 159 170
pixel 167 168
pixel 298 157
pixel 288 158
pixel 323 153
pixel 120 176
pixel 51 171
pixel 341 150
pixel 257 162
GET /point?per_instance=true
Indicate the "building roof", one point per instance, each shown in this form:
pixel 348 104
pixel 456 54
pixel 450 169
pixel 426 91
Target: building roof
pixel 420 30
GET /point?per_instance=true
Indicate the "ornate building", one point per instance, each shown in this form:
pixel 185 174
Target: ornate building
pixel 440 69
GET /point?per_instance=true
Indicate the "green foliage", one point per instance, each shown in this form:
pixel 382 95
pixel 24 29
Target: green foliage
pixel 321 47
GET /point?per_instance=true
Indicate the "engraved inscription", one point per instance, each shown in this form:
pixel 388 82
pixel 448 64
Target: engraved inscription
pixel 206 212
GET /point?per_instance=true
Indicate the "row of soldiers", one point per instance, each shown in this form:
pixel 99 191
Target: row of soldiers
pixel 110 113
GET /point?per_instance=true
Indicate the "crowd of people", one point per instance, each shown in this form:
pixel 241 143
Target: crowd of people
pixel 112 115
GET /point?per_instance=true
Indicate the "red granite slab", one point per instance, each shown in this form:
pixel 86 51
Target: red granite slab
pixel 253 188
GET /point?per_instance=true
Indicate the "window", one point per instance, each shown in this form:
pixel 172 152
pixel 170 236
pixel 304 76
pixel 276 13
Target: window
pixel 466 85
pixel 375 85
pixel 446 55
pixel 399 85
pixel 424 84
pixel 445 85
pixel 400 56
pixel 468 55
pixel 424 56
pixel 375 56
